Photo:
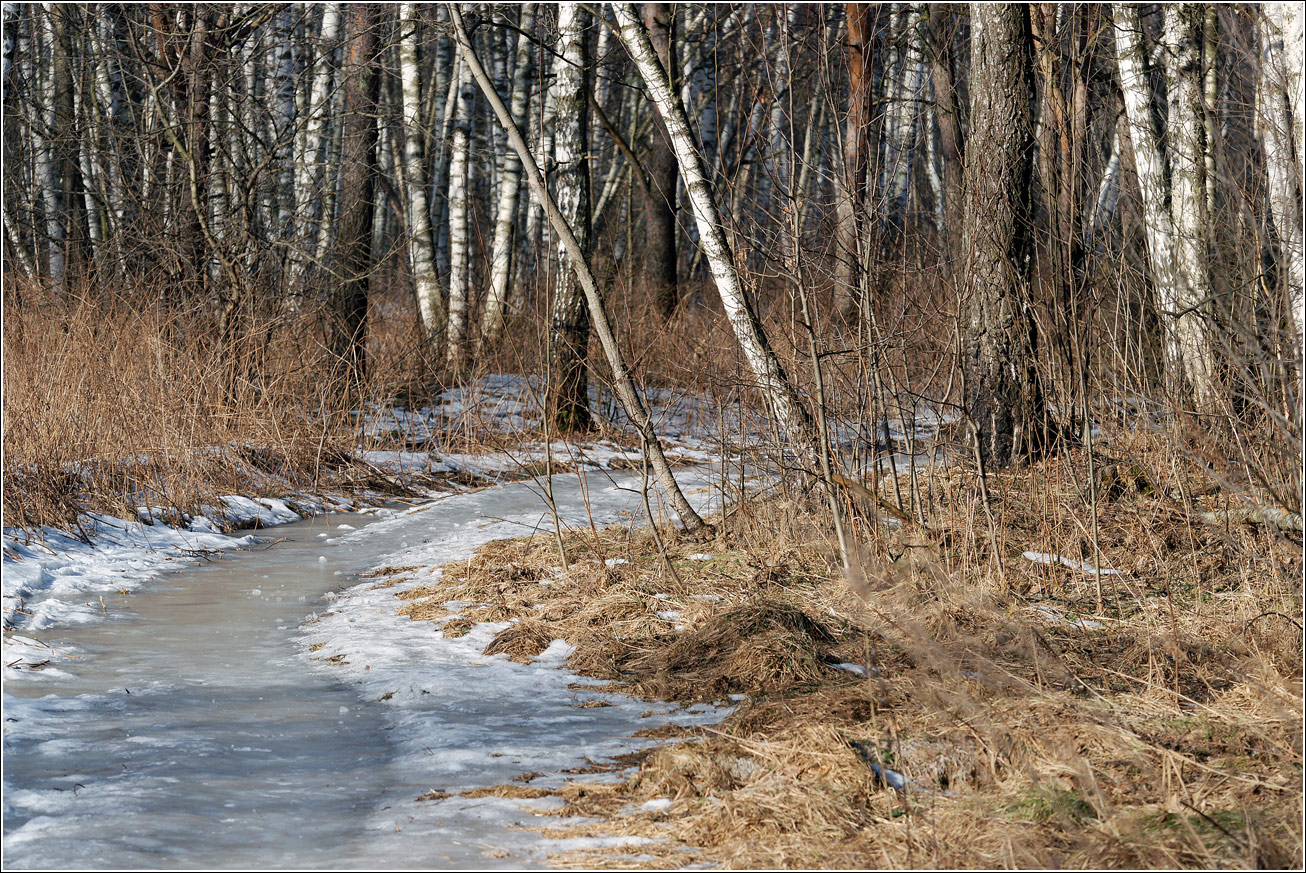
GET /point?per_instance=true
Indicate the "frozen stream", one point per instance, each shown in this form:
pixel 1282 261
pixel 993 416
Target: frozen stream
pixel 194 728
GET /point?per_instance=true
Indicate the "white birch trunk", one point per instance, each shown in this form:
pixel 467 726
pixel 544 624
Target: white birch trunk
pixel 421 247
pixel 1185 137
pixel 283 120
pixel 1132 58
pixel 761 359
pixel 308 164
pixel 492 322
pixel 1280 122
pixel 47 167
pixel 900 133
pixel 459 208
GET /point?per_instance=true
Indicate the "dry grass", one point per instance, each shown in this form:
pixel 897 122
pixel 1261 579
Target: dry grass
pixel 1166 733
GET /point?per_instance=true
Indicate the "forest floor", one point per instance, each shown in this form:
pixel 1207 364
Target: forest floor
pixel 932 706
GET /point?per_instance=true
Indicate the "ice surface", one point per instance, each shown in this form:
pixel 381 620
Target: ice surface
pixel 205 724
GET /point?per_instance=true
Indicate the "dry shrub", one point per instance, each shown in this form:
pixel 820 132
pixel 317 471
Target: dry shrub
pixel 117 401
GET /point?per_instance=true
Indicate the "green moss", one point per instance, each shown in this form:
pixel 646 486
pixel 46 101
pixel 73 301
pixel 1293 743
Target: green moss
pixel 1043 805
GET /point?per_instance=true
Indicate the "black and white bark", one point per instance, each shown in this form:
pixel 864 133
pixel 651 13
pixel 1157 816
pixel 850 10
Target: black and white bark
pixel 569 332
pixel 1280 120
pixel 772 381
pixel 459 226
pixel 505 223
pixel 421 245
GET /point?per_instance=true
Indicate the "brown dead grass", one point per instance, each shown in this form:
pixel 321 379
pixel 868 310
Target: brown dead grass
pixel 1170 736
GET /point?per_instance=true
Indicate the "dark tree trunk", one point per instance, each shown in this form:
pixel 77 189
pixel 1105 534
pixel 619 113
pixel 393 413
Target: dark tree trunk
pixel 947 111
pixel 660 280
pixel 65 139
pixel 861 20
pixel 197 127
pixel 1002 393
pixel 347 302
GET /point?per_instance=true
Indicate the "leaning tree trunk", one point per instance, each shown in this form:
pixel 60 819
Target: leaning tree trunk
pixel 570 330
pixel 622 381
pixel 421 246
pixel 348 303
pixel 1002 394
pixel 774 384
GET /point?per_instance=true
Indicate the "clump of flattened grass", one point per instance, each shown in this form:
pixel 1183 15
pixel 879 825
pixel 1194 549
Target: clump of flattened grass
pixel 764 646
pixel 457 627
pixel 522 641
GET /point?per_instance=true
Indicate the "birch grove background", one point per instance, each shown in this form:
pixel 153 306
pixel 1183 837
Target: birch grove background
pixel 1103 213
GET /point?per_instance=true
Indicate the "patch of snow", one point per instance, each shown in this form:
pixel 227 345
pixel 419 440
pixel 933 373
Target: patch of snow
pixel 1052 616
pixel 1083 566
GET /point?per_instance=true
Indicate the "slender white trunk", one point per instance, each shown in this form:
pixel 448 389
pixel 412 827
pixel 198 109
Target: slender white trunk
pixel 47 167
pixel 900 133
pixel 569 331
pixel 1185 138
pixel 492 322
pixel 459 208
pixel 308 164
pixel 284 120
pixel 1150 161
pixel 421 248
pixel 1280 122
pixel 761 359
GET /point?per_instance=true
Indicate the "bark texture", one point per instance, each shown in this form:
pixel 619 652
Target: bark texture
pixel 1002 393
pixel 660 279
pixel 570 334
pixel 421 243
pixel 772 381
pixel 348 302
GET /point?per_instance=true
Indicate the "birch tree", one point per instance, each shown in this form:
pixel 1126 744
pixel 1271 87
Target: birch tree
pixel 459 211
pixel 570 323
pixel 771 379
pixel 1186 143
pixel 505 224
pixel 1177 300
pixel 308 164
pixel 421 245
pixel 1280 117
pixel 622 381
